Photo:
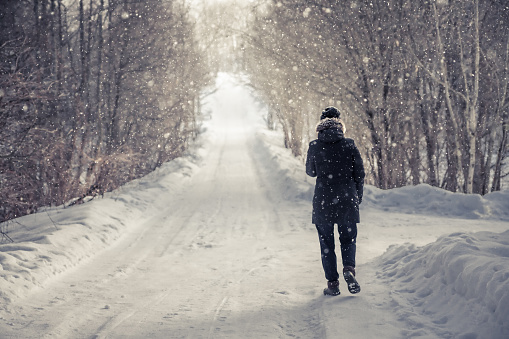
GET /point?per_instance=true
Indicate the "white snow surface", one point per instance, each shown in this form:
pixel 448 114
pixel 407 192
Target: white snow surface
pixel 219 244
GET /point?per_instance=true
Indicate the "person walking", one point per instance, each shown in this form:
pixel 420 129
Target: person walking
pixel 337 165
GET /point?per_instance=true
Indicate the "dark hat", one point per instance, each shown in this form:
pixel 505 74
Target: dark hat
pixel 330 112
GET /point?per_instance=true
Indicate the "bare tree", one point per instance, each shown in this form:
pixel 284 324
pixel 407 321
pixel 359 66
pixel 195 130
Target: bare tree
pixel 92 94
pixel 405 73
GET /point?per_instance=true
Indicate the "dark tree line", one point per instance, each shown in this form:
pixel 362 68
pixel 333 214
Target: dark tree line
pixel 422 84
pixel 93 93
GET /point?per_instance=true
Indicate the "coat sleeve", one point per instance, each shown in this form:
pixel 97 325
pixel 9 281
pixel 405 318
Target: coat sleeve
pixel 310 161
pixel 358 173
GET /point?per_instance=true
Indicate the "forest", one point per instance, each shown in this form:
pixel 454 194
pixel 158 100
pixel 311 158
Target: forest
pixel 422 84
pixel 93 94
pixel 96 93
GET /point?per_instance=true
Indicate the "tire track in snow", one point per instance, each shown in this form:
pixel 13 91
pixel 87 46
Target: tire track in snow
pixel 216 315
pixel 112 323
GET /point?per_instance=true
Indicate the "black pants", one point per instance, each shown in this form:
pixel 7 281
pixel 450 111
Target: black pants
pixel 347 239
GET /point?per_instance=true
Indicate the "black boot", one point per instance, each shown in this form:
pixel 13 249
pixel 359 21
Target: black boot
pixel 351 282
pixel 332 288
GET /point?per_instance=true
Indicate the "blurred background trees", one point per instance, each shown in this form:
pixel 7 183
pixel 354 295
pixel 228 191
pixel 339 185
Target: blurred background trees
pixel 93 93
pixel 422 84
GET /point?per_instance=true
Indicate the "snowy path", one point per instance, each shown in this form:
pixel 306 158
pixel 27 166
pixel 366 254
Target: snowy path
pixel 219 259
pixel 227 255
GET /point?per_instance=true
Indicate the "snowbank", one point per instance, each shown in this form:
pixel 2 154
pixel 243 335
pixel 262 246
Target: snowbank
pixel 50 242
pixel 292 182
pixel 458 285
pixel 425 199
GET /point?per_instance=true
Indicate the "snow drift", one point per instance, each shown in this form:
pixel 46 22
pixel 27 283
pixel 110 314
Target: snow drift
pixel 425 199
pixel 460 284
pixel 54 240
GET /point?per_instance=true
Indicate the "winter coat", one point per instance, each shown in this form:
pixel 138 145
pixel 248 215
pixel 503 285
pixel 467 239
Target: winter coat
pixel 337 165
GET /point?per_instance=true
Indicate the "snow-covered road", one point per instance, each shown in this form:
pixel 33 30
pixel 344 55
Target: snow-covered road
pixel 213 260
pixel 227 251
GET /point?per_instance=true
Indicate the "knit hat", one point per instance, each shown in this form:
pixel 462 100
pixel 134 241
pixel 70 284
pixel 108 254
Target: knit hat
pixel 330 112
pixel 329 123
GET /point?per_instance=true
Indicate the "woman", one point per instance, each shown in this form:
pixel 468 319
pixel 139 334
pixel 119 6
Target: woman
pixel 337 165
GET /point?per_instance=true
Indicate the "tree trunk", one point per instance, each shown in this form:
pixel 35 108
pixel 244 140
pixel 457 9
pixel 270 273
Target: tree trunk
pixel 456 160
pixel 501 152
pixel 472 102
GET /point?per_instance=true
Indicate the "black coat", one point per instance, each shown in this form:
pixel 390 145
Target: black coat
pixel 337 165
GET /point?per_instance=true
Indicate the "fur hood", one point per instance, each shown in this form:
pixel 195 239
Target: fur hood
pixel 329 123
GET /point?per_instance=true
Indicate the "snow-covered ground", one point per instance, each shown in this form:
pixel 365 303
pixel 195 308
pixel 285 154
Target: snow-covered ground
pixel 219 244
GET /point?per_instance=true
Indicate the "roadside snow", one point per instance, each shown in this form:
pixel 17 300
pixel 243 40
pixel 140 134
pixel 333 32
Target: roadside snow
pixel 50 242
pixel 458 285
pixel 425 199
pixel 431 263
